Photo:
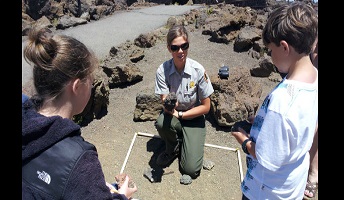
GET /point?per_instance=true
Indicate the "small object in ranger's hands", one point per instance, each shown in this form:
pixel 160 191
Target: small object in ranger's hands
pixel 170 101
pixel 224 72
pixel 244 124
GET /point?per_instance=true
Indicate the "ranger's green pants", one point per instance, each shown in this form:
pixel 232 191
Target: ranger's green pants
pixel 192 134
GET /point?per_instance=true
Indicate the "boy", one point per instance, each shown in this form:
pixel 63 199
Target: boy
pixel 283 129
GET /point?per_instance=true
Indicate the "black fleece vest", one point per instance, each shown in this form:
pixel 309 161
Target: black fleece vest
pixel 49 171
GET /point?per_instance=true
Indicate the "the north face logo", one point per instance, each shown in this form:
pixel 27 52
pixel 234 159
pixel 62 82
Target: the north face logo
pixel 44 176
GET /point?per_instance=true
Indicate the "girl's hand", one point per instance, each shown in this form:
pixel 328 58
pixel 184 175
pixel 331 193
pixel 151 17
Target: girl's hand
pixel 126 190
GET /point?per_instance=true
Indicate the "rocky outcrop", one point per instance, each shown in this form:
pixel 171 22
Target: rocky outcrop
pixel 148 107
pixel 62 14
pixel 235 98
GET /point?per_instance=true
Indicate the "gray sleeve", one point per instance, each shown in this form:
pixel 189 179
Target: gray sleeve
pixel 161 86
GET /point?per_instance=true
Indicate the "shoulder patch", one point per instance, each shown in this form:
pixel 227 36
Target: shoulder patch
pixel 206 76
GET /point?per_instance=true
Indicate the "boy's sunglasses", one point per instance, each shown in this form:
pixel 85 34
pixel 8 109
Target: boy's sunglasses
pixel 184 46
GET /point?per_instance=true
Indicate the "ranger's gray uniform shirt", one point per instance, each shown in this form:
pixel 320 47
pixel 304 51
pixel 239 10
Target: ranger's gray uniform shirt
pixel 192 85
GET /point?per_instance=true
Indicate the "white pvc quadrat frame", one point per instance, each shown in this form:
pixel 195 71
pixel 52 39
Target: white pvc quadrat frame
pixel 208 145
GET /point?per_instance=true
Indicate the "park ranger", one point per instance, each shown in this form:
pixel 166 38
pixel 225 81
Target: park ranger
pixel 183 127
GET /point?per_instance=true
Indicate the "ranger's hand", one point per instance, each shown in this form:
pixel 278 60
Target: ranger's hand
pixel 170 102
